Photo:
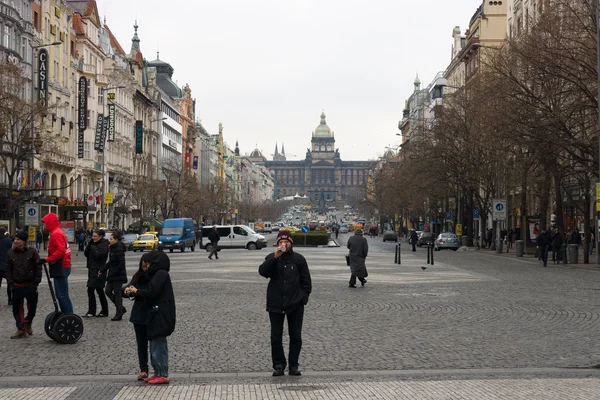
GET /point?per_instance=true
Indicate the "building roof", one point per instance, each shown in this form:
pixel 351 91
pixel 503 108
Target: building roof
pixel 114 43
pixel 323 130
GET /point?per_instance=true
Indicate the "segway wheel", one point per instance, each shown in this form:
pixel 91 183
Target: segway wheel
pixel 49 323
pixel 68 328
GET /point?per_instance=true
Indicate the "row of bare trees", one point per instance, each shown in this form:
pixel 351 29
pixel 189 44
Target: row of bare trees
pixel 526 124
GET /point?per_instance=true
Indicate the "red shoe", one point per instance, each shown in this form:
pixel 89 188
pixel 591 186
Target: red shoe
pixel 148 379
pixel 159 380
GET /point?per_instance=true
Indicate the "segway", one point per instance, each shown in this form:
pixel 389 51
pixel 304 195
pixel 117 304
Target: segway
pixel 61 327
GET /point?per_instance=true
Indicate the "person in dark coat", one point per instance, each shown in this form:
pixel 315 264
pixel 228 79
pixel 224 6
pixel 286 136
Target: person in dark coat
pixel 81 239
pixel 116 274
pixel 287 294
pixel 414 239
pixel 359 248
pixel 214 238
pixel 139 318
pixel 542 244
pixel 24 274
pixel 96 253
pixel 575 237
pixel 557 241
pixel 39 238
pixel 6 244
pixel 161 322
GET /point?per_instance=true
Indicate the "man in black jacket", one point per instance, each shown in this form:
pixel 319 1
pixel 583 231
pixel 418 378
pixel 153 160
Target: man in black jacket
pixel 557 241
pixel 214 237
pixel 24 275
pixel 287 294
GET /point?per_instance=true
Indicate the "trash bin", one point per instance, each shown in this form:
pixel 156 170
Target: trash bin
pixel 572 253
pixel 499 246
pixel 519 248
pixel 463 240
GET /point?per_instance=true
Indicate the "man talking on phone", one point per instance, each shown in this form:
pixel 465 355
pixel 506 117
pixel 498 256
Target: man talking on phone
pixel 287 294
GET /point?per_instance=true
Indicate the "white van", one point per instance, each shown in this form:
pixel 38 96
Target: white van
pixel 234 237
pixel 268 228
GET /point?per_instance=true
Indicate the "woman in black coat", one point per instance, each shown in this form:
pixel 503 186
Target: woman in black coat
pixel 96 253
pixel 161 322
pixel 116 274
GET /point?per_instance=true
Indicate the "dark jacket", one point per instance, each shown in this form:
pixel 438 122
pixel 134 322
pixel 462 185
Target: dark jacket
pixel 542 240
pixel 23 268
pixel 414 238
pixel 39 238
pixel 140 311
pixel 114 270
pixel 214 236
pixel 5 245
pixel 359 249
pixel 290 283
pixel 557 240
pixel 96 253
pixel 575 237
pixel 159 296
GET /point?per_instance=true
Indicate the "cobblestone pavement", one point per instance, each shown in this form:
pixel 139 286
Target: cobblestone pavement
pixel 470 310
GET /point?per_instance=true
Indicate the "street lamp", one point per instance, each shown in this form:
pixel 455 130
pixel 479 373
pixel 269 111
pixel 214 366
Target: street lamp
pixel 102 216
pixel 152 147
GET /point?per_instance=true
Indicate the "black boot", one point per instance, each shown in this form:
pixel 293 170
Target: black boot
pixel 278 371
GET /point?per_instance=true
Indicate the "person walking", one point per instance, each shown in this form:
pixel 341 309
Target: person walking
pixel 576 237
pixel 359 249
pixel 24 274
pixel 414 238
pixel 214 238
pixel 592 241
pixel 337 231
pixel 139 318
pixel 161 323
pixel 81 240
pixel 6 244
pixel 96 253
pixel 490 235
pixel 59 251
pixel 39 238
pixel 116 273
pixel 542 244
pixel 288 290
pixel 557 241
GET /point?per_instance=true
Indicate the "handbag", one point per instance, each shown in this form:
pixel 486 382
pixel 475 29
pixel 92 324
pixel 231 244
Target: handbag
pixel 347 259
pixel 56 269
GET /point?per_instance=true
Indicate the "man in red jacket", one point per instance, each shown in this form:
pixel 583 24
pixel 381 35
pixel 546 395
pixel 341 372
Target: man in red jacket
pixel 58 247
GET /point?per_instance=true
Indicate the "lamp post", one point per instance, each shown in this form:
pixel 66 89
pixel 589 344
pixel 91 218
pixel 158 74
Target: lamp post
pixel 152 147
pixel 596 228
pixel 102 215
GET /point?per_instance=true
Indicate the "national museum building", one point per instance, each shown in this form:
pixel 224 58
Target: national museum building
pixel 322 175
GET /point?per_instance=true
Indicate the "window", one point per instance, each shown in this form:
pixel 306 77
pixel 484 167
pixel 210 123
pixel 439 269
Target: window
pixel 6 38
pixel 100 96
pixel 239 231
pixel 36 22
pixel 87 150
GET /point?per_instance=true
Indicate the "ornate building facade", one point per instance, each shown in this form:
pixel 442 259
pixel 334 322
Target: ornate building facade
pixel 322 176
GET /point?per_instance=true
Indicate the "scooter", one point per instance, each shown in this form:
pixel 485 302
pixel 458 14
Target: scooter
pixel 61 327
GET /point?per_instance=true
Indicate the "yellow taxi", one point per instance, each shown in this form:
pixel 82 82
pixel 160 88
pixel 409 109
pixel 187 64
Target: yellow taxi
pixel 146 241
pixel 292 229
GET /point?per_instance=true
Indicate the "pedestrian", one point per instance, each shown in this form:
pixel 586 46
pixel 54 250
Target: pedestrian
pixel 45 237
pixel 542 245
pixel 287 294
pixel 139 318
pixel 510 238
pixel 490 233
pixel 592 241
pixel 359 248
pixel 337 231
pixel 96 253
pixel 81 240
pixel 39 238
pixel 116 273
pixel 557 241
pixel 213 238
pixel 576 237
pixel 6 244
pixel 24 274
pixel 414 238
pixel 161 323
pixel 59 255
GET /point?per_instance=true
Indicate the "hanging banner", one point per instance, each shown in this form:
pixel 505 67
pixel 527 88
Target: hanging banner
pixel 111 122
pixel 80 138
pixel 195 162
pixel 43 76
pixel 187 159
pixel 82 112
pixel 99 128
pixel 104 133
pixel 139 137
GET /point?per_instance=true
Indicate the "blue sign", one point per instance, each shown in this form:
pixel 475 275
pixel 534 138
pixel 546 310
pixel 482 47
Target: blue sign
pixel 305 229
pixel 139 137
pixel 476 213
pixel 499 206
pixel 449 215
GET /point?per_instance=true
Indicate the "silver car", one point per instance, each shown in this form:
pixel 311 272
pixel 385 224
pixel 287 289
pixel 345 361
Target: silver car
pixel 447 240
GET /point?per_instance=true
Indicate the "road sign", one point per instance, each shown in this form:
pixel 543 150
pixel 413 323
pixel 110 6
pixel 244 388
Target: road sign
pixel 31 234
pixel 476 213
pixel 108 198
pixel 458 229
pixel 305 229
pixel 32 214
pixel 499 209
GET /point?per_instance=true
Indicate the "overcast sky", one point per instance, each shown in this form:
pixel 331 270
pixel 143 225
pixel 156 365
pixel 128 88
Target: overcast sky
pixel 267 68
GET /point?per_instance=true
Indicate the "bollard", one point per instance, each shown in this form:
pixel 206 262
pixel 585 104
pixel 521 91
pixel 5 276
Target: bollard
pixel 428 253
pixel 399 253
pixel 396 254
pixel 519 248
pixel 563 253
pixel 431 252
pixel 573 253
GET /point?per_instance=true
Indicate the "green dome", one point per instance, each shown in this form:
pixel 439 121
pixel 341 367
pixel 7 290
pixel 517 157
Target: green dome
pixel 323 130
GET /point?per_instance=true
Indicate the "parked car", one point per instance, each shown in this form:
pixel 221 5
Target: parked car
pixel 275 228
pixel 343 229
pixel 292 229
pixel 390 236
pixel 424 238
pixel 145 242
pixel 128 240
pixel 446 240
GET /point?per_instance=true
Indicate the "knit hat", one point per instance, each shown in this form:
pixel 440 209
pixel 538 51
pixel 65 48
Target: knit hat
pixel 285 235
pixel 22 235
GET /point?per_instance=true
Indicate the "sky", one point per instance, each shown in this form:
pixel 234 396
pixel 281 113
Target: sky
pixel 266 69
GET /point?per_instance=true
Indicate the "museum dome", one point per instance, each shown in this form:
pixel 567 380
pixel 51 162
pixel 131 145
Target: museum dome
pixel 256 154
pixel 323 130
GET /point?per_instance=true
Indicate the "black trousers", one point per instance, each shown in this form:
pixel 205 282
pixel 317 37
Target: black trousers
pixel 8 288
pixel 20 294
pixel 353 279
pixel 294 320
pixel 141 338
pixel 92 300
pixel 214 250
pixel 414 245
pixel 113 291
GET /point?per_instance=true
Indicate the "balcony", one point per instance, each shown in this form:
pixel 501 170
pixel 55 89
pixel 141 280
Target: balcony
pixel 88 70
pixel 58 159
pixel 101 80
